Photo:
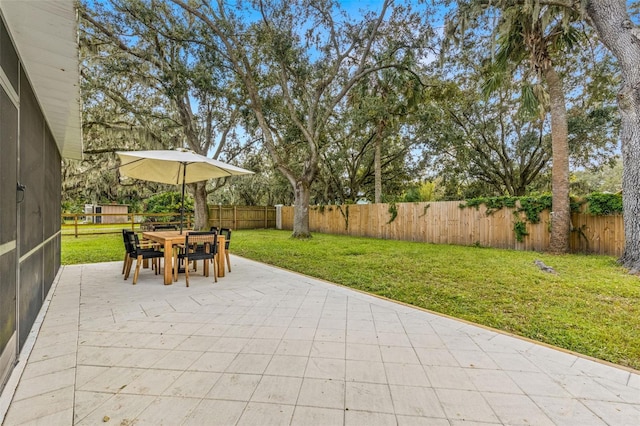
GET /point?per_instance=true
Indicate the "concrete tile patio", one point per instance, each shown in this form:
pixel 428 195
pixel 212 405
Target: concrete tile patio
pixel 265 346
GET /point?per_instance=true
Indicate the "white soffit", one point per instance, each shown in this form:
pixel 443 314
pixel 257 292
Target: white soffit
pixel 46 36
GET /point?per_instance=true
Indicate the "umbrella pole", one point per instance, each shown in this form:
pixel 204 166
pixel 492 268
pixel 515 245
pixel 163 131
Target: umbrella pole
pixel 184 175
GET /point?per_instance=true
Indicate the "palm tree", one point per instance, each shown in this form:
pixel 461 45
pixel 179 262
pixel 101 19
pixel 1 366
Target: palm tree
pixel 537 36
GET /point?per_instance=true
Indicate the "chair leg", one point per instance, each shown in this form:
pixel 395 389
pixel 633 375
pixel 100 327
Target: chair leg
pixel 124 264
pixel 186 270
pixel 215 269
pixel 226 254
pixel 176 266
pixel 205 267
pixel 139 262
pixel 128 267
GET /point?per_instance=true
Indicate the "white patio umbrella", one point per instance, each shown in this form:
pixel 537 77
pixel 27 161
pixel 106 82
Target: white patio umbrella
pixel 176 167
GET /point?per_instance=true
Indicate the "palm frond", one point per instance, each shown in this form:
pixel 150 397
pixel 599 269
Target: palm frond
pixel 530 104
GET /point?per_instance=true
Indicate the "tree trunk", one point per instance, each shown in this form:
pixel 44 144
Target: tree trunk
pixel 377 170
pixel 200 206
pixel 301 210
pixel 560 205
pixel 622 38
pixel 377 166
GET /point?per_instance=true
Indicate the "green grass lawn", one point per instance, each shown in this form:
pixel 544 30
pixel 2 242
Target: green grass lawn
pixel 591 306
pixel 92 248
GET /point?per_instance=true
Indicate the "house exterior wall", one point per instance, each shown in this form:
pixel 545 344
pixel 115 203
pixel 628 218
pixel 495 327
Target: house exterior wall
pixel 29 224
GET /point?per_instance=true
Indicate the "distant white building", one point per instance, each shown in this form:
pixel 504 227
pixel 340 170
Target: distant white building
pixel 106 213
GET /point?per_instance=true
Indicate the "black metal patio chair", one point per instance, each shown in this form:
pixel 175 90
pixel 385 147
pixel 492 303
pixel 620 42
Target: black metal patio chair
pixel 226 233
pixel 165 227
pixel 198 246
pixel 140 254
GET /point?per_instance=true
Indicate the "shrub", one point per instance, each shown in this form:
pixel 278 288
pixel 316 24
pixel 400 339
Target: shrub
pixel 168 202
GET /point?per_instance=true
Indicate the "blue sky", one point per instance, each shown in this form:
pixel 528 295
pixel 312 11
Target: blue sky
pixel 355 5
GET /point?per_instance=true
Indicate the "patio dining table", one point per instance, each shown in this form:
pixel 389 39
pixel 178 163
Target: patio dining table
pixel 171 238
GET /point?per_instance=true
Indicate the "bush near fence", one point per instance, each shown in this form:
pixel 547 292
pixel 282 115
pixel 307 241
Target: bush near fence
pixel 445 222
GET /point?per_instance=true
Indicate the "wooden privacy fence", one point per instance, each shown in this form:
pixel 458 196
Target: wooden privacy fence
pixel 242 217
pixel 445 222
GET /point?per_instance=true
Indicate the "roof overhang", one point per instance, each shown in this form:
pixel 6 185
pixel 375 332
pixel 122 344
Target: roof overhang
pixel 45 33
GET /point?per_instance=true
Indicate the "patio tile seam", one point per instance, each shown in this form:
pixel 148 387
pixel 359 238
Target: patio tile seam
pixel 387 383
pixel 628 404
pixel 553 416
pixel 58 390
pixel 34 416
pixel 106 401
pixel 13 381
pixel 386 372
pixel 53 358
pixel 460 320
pixel 276 403
pixel 584 404
pixel 57 386
pixel 525 395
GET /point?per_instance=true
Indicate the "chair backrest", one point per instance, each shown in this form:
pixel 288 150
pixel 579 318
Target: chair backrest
pixel 226 233
pixel 202 242
pixel 126 233
pixel 132 243
pixel 214 229
pixel 165 227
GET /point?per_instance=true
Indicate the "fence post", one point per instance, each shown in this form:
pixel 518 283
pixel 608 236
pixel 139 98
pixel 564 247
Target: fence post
pixel 235 217
pixel 133 222
pixel 220 215
pixel 279 216
pixel 75 223
pixel 266 217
